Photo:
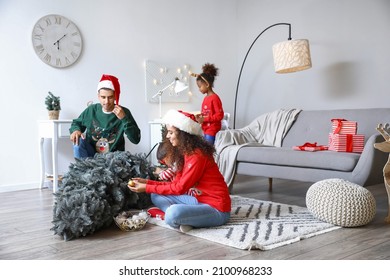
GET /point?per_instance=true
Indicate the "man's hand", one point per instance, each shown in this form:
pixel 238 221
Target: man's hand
pixel 199 118
pixel 118 111
pixel 74 137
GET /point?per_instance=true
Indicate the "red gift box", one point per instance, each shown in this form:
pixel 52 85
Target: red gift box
pixel 353 143
pixel 342 126
pixel 311 147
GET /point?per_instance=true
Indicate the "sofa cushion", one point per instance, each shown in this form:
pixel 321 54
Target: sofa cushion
pixel 288 157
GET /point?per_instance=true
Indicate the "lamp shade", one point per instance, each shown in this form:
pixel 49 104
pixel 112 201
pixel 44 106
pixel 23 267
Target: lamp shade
pixel 179 86
pixel 291 56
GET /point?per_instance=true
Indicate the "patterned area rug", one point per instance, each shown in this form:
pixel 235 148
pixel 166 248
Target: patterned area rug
pixel 264 225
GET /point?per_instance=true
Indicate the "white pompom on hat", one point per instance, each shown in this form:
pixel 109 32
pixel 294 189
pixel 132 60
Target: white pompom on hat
pixel 110 82
pixel 183 121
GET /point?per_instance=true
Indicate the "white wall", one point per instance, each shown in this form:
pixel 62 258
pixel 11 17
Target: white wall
pixel 118 36
pixel 349 41
pixel 349 44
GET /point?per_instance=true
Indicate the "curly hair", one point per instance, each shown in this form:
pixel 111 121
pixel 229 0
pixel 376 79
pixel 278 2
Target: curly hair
pixel 188 144
pixel 209 72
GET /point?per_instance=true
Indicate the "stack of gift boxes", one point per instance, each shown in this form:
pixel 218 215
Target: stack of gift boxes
pixel 344 137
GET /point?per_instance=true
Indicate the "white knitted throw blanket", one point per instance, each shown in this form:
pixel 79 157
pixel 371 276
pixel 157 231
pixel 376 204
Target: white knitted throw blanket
pixel 266 130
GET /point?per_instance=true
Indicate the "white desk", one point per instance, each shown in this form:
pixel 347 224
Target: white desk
pixel 52 129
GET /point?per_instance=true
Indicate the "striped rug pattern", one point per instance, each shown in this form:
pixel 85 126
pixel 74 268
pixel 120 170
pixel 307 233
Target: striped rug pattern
pixel 264 225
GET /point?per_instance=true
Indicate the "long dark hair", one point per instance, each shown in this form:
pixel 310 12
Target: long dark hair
pixel 188 144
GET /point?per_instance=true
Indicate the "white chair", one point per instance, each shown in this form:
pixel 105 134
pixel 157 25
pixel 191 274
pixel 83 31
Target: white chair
pixel 225 121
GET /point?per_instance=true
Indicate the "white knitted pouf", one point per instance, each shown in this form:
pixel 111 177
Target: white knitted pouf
pixel 341 203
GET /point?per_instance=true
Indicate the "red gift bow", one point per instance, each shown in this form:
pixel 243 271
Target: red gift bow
pixel 312 145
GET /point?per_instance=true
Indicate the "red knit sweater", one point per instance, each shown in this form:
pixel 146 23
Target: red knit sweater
pixel 212 112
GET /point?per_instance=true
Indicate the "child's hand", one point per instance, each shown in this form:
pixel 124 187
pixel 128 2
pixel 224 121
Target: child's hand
pixel 158 170
pixel 199 118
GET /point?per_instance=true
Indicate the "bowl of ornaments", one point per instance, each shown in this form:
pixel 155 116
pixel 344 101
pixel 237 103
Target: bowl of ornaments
pixel 131 220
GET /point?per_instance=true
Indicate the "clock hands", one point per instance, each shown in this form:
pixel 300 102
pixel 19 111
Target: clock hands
pixel 58 42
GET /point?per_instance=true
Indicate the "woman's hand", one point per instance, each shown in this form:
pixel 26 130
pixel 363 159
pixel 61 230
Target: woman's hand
pixel 137 185
pixel 140 180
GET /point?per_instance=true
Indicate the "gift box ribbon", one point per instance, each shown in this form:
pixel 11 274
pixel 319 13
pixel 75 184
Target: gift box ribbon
pixel 339 125
pixel 312 145
pixel 349 143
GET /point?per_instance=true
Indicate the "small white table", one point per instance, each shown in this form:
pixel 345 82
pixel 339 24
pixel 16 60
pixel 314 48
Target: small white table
pixel 52 129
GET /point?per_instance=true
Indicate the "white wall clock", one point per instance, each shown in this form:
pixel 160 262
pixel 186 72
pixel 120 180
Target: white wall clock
pixel 57 41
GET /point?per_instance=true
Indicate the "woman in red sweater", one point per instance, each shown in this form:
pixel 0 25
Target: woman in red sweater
pixel 198 196
pixel 212 112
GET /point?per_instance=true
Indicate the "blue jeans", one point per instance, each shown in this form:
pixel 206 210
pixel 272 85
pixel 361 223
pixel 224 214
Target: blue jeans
pixel 186 210
pixel 209 138
pixel 83 149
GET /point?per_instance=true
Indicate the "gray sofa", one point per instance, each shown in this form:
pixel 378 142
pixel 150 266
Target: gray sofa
pixel 314 126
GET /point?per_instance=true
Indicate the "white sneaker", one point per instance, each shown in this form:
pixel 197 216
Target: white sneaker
pixel 185 228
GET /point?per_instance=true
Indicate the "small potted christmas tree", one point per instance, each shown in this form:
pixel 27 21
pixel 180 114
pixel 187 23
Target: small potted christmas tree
pixel 53 105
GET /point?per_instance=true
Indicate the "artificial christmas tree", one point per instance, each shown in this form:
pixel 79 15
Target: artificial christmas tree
pixel 94 190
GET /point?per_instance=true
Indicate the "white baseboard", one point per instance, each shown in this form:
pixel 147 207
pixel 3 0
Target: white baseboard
pixel 21 187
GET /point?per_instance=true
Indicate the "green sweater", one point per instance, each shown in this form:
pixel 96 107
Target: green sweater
pixel 104 130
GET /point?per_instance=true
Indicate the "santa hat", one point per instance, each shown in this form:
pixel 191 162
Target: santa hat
pixel 110 82
pixel 183 121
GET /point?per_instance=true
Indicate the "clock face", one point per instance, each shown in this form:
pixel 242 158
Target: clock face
pixel 57 41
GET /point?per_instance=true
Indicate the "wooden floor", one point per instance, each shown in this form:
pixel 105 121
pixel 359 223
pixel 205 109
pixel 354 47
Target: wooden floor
pixel 25 222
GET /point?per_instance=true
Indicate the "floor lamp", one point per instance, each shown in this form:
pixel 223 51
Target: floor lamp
pixel 177 85
pixel 289 56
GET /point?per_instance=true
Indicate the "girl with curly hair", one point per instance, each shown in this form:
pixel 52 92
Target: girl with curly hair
pixel 212 112
pixel 198 195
